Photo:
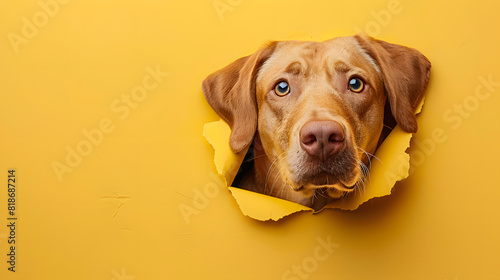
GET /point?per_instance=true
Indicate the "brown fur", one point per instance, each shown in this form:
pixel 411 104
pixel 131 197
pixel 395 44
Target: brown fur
pixel 317 72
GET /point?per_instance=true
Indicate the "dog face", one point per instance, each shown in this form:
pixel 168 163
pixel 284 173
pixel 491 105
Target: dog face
pixel 318 111
pixel 318 107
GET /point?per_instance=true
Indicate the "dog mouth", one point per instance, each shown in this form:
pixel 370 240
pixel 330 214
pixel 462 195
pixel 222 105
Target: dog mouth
pixel 325 184
pixel 339 173
pixel 324 180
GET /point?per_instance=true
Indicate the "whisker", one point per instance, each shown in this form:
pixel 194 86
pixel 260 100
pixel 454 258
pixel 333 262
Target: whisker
pixel 323 195
pixel 370 154
pixel 362 187
pixel 276 178
pixel 365 177
pixel 269 170
pixel 356 188
pixel 250 159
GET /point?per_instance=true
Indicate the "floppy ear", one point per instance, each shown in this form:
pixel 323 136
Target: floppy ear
pixel 231 93
pixel 406 74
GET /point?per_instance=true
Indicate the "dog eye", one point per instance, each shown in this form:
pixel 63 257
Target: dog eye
pixel 282 88
pixel 356 85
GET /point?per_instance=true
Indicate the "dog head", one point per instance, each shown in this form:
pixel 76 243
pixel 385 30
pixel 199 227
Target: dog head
pixel 318 107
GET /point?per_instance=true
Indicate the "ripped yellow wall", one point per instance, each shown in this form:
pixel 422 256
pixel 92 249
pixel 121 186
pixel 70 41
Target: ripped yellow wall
pixel 102 118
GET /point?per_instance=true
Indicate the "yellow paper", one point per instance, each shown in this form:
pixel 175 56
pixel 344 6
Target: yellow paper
pixel 146 201
pixel 264 208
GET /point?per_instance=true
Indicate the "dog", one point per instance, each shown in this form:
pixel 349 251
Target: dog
pixel 315 111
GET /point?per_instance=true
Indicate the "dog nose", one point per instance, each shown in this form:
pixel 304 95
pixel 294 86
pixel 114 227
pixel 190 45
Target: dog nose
pixel 321 139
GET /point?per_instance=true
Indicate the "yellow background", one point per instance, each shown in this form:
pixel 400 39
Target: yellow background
pixel 117 215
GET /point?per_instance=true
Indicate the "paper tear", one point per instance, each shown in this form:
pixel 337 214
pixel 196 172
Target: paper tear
pixel 262 207
pixel 392 165
pixel 227 163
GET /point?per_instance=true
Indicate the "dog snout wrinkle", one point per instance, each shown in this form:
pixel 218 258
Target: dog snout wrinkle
pixel 322 139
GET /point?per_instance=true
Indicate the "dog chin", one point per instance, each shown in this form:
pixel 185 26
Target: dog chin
pixel 336 190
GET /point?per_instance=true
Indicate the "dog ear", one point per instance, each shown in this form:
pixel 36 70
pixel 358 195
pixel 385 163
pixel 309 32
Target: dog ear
pixel 406 74
pixel 231 93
